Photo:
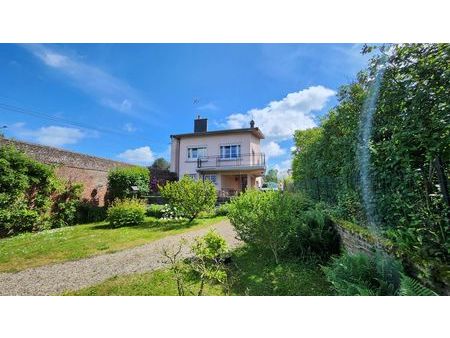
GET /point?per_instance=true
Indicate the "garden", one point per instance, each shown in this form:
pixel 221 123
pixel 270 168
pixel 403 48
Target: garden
pixel 293 241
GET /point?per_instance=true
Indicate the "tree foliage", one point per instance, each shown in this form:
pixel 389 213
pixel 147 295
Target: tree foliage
pixel 161 163
pixel 271 175
pixel 122 179
pixel 190 197
pixel 409 149
pixel 32 198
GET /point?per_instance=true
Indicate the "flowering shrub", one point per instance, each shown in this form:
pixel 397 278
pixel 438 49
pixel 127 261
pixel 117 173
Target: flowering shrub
pixel 171 212
pixel 190 197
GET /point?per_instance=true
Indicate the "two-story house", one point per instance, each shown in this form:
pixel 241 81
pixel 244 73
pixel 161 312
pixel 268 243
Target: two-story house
pixel 231 158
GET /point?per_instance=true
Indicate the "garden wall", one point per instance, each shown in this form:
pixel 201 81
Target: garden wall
pixel 354 242
pixel 91 171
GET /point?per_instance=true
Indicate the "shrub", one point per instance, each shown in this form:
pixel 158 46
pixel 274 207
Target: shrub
pixel 126 212
pixel 190 197
pixel 88 213
pixel 65 204
pixel 26 187
pixel 264 219
pixel 314 236
pixel 209 252
pixel 120 181
pixel 155 210
pixel 361 274
pixel 222 210
pixel 171 212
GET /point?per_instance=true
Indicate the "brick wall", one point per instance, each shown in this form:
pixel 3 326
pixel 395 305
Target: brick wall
pixel 91 171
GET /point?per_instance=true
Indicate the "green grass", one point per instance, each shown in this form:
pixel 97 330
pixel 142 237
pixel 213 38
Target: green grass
pixel 252 273
pixel 75 242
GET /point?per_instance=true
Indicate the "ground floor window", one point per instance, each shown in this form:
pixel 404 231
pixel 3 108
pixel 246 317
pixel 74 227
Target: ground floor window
pixel 193 176
pixel 212 178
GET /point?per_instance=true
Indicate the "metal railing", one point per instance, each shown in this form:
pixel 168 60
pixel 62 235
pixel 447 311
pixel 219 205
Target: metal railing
pixel 257 160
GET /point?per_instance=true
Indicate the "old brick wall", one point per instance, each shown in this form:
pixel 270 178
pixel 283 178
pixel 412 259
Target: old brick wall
pixel 91 171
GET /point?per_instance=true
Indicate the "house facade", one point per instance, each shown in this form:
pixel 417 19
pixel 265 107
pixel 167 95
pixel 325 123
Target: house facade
pixel 231 158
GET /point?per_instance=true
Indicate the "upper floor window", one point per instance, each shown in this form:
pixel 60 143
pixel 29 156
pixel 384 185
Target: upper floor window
pixel 231 151
pixel 197 152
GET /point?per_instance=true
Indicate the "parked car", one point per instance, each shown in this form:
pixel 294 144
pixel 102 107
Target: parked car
pixel 270 186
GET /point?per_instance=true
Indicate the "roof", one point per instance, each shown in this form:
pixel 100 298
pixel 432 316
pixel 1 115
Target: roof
pixel 255 131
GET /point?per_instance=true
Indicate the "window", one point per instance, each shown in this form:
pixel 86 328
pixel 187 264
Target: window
pixel 231 151
pixel 197 152
pixel 212 178
pixel 193 176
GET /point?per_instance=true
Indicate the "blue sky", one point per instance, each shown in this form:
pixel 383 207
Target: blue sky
pixel 133 96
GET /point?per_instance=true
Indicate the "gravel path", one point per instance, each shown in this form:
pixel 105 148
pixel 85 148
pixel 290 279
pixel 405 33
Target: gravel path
pixel 74 275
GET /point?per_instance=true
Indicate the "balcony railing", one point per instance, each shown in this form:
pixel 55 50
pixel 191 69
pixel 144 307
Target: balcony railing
pixel 242 160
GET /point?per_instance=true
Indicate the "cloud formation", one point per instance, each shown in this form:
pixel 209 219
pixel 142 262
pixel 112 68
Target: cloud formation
pixel 54 136
pixel 279 119
pixel 143 155
pixel 273 149
pixel 106 89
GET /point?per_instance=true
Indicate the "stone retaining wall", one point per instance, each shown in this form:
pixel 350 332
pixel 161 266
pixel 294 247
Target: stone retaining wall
pixel 353 242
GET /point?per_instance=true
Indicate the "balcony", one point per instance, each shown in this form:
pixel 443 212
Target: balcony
pixel 240 162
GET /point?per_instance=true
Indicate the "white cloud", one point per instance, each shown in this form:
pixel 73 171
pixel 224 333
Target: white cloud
pixel 279 119
pixel 129 127
pixel 108 90
pixel 143 155
pixel 54 136
pixel 273 149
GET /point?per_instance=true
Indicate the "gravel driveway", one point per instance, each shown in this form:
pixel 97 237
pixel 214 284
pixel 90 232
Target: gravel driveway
pixel 74 275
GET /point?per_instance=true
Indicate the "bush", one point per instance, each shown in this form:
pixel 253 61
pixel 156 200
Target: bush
pixel 26 187
pixel 314 236
pixel 88 213
pixel 120 181
pixel 222 210
pixel 364 275
pixel 190 197
pixel 208 262
pixel 265 219
pixel 126 212
pixel 155 210
pixel 65 205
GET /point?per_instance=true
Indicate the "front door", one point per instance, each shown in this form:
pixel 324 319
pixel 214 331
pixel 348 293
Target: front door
pixel 243 182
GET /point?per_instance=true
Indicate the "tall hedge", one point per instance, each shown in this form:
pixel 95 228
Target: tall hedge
pixel 121 179
pixel 409 148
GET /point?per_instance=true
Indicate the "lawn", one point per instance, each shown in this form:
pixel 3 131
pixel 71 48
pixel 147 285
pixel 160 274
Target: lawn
pixel 252 273
pixel 75 242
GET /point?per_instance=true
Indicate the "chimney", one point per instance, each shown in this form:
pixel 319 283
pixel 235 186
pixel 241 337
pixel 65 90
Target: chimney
pixel 200 125
pixel 252 124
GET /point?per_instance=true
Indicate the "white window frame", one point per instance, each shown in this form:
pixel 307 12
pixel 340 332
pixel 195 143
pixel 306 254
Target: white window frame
pixel 210 177
pixel 229 157
pixel 193 176
pixel 190 150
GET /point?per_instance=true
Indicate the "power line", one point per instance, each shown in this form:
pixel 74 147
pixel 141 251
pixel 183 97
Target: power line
pixel 66 122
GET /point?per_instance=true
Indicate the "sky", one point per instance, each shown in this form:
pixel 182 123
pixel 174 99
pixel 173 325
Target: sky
pixel 123 101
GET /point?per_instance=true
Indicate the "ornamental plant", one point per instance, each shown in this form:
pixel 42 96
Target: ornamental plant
pixel 208 262
pixel 129 211
pixel 190 197
pixel 265 220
